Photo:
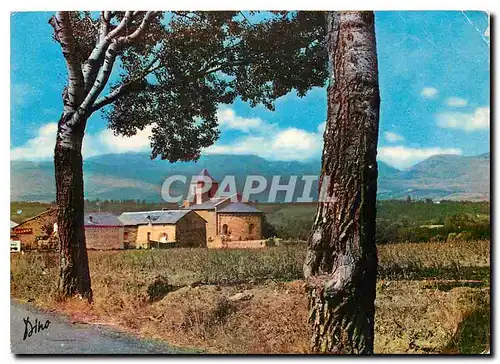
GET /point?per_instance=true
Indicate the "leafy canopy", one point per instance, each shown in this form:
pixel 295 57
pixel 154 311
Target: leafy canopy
pixel 188 63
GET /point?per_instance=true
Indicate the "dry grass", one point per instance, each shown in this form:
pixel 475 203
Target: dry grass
pixel 149 293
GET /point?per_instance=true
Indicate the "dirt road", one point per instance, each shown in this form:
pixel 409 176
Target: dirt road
pixel 36 332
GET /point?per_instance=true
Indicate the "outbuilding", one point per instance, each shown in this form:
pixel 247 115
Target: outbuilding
pixel 36 232
pixel 103 231
pixel 163 229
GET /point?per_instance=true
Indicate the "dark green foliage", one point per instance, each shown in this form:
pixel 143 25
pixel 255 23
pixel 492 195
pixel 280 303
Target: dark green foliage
pixel 158 289
pixel 191 62
pixel 268 230
pixel 474 331
pixel 397 221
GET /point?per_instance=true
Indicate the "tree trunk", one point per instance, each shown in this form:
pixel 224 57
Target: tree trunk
pixel 74 274
pixel 341 261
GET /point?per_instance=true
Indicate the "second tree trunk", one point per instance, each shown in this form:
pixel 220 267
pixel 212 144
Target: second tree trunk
pixel 341 262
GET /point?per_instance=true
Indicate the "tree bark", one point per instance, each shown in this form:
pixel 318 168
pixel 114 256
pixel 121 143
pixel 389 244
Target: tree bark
pixel 74 276
pixel 341 261
pixel 85 83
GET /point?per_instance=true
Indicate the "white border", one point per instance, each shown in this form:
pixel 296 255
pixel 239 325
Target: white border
pixel 22 5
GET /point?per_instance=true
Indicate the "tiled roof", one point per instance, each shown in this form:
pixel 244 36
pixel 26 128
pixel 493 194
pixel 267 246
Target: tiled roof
pixel 202 176
pixel 238 207
pixel 230 207
pixel 101 219
pixel 207 205
pixel 48 211
pixel 155 217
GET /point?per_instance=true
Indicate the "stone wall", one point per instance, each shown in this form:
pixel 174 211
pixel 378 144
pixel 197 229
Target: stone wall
pixel 239 226
pixel 191 231
pixel 236 244
pixel 130 237
pixel 104 238
pixel 28 231
pixel 209 216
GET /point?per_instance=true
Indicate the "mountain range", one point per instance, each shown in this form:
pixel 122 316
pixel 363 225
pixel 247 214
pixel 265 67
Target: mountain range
pixel 136 176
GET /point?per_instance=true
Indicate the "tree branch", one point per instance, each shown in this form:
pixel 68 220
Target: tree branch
pixel 94 62
pixel 136 84
pixel 63 33
pixel 99 84
pixel 126 40
pixel 114 95
pixel 116 44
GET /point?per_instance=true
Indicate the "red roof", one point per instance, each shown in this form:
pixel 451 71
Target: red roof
pixel 201 177
pixel 204 172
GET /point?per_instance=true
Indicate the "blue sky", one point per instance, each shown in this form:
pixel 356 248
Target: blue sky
pixel 434 85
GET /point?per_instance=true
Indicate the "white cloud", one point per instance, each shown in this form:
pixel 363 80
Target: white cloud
pixel 393 137
pixel 429 92
pixel 321 127
pixel 229 120
pixel 403 157
pixel 477 120
pixel 40 147
pixel 118 144
pixel 287 144
pixel 456 102
pixel 268 140
pixel 259 137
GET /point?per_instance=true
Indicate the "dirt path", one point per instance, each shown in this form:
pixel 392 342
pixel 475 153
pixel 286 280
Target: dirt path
pixel 61 337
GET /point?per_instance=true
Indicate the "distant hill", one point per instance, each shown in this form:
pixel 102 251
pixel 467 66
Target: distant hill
pixel 136 176
pixel 443 177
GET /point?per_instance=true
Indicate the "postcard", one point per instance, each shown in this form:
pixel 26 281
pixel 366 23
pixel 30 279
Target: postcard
pixel 250 182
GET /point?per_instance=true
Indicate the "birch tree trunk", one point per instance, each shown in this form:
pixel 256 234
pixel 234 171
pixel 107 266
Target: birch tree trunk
pixel 86 81
pixel 74 278
pixel 341 261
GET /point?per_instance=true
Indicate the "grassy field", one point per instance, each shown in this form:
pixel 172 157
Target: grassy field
pixel 431 297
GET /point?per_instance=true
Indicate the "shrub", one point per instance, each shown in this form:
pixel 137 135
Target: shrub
pixel 158 289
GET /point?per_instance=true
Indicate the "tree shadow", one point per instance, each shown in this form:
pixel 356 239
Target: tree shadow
pixel 472 335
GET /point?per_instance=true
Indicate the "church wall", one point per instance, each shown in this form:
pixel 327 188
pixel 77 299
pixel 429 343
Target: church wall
pixel 238 226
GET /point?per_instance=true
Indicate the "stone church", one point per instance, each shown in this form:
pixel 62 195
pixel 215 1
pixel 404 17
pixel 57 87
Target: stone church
pixel 229 219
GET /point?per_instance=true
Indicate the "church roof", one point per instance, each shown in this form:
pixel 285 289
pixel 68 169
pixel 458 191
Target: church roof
pixel 207 205
pixel 202 176
pixel 231 207
pixel 204 172
pixel 238 207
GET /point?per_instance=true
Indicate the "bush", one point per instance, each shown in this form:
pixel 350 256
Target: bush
pixel 158 289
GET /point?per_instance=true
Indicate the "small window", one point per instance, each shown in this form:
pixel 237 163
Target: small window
pixel 224 229
pixel 251 228
pixel 125 235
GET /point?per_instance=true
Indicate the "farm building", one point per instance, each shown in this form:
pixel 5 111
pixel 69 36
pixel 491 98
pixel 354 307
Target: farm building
pixel 164 228
pixel 228 218
pixel 103 231
pixel 37 232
